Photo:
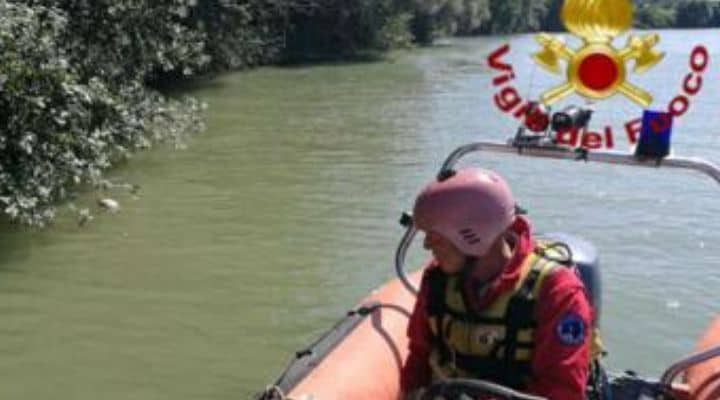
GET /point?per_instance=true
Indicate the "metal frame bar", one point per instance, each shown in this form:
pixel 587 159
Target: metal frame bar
pixel 553 152
pixel 564 153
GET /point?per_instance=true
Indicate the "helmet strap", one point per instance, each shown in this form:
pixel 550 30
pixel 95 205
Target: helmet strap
pixel 469 265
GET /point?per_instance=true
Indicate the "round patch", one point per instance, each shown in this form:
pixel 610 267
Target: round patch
pixel 571 330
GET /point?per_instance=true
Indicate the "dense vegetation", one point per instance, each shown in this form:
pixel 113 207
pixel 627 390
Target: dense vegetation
pixel 79 79
pixel 470 17
pixel 677 14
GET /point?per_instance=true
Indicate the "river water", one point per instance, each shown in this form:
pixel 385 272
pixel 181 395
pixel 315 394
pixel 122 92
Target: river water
pixel 243 247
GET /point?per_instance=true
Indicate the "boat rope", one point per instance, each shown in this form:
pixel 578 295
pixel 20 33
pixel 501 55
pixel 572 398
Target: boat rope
pixel 274 393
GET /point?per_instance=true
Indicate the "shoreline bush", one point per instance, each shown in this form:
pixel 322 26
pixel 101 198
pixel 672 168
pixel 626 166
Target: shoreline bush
pixel 60 127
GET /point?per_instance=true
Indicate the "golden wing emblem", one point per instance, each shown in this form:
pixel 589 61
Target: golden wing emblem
pixel 597 70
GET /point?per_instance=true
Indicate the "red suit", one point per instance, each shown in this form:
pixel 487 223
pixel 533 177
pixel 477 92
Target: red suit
pixel 559 363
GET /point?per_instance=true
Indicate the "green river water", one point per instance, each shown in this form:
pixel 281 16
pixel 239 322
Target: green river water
pixel 246 245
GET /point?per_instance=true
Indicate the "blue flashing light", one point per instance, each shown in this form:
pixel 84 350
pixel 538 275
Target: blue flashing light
pixel 655 136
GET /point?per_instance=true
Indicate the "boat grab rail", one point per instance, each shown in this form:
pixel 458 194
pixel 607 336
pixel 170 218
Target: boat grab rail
pixel 562 152
pixel 551 151
pixel 680 366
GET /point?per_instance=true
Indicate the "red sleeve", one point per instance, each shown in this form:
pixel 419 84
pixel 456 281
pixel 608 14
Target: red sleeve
pixel 562 340
pixel 416 372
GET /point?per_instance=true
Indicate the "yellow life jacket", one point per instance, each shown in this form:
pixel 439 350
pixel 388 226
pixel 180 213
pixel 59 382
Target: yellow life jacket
pixel 496 344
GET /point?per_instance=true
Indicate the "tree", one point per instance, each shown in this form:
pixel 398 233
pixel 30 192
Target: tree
pixel 510 16
pixel 693 14
pixel 238 34
pixel 339 27
pixel 716 16
pixel 650 15
pixel 552 21
pixel 472 16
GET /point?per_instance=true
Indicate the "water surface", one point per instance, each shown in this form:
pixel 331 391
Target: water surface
pixel 244 247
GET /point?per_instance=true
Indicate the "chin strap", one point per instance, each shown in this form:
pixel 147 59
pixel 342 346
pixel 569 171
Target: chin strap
pixel 472 262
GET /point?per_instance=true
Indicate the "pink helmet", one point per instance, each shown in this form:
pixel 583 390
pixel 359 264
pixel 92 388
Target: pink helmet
pixel 472 208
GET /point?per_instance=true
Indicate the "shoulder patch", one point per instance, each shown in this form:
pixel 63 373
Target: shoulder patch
pixel 571 330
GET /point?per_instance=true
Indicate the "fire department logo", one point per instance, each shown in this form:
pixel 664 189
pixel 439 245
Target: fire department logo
pixel 598 70
pixel 595 70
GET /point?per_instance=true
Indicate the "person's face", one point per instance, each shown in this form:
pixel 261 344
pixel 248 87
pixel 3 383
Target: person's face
pixel 451 260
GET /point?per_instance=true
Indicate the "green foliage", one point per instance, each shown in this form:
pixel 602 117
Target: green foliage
pixel 395 33
pixel 59 127
pixel 125 40
pixel 322 28
pixel 238 34
pixel 677 14
pixel 694 14
pixel 463 17
pixel 517 15
pixel 652 16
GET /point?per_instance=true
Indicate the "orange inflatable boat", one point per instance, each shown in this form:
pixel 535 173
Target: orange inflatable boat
pixel 361 357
